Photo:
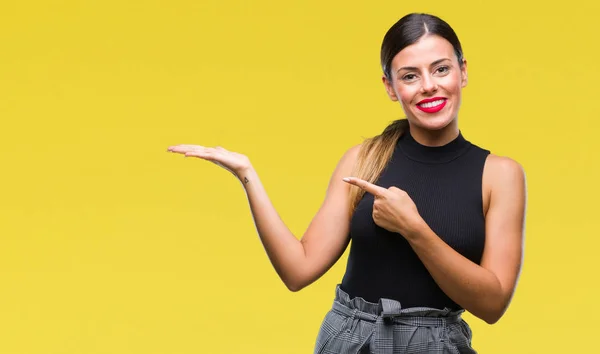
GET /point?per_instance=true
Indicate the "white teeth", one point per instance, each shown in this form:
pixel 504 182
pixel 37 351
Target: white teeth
pixel 432 104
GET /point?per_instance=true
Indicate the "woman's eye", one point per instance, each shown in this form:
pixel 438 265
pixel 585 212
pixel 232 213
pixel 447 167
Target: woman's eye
pixel 408 77
pixel 443 69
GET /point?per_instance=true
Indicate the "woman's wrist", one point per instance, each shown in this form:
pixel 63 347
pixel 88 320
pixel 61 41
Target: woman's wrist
pixel 245 174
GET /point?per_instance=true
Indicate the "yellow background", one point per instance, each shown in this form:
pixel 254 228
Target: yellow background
pixel 109 244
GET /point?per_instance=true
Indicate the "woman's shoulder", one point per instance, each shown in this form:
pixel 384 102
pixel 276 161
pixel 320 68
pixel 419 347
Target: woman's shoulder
pixel 504 164
pixel 351 153
pixel 503 170
pixel 500 164
pixel 502 176
pixel 354 150
pixel 349 158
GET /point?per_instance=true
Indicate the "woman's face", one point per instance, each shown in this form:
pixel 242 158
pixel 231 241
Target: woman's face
pixel 427 80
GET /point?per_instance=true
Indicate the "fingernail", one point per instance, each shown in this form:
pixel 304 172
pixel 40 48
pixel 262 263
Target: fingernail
pixel 346 179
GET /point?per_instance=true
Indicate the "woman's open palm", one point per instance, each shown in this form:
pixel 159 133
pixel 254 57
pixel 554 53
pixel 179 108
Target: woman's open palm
pixel 231 161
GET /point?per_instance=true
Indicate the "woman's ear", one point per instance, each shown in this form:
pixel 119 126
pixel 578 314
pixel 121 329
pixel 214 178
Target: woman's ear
pixel 389 88
pixel 463 72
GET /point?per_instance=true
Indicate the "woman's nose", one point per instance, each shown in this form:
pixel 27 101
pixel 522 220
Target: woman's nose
pixel 428 84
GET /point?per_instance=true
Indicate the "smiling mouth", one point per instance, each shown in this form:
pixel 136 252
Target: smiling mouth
pixel 432 106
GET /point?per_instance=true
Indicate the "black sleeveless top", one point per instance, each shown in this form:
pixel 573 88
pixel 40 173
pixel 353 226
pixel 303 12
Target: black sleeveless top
pixel 445 182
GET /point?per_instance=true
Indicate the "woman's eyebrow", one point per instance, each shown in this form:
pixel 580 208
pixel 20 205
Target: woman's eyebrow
pixel 415 68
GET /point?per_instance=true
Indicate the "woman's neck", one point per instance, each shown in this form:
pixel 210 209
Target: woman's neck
pixel 439 137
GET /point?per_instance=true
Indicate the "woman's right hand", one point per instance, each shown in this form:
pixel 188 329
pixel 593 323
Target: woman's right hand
pixel 233 162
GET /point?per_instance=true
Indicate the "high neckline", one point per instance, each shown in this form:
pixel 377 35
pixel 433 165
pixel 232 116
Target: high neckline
pixel 432 154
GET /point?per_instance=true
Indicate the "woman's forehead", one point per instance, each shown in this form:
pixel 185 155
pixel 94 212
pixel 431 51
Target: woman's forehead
pixel 424 52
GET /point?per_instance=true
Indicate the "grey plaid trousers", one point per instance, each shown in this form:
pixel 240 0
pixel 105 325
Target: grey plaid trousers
pixel 355 326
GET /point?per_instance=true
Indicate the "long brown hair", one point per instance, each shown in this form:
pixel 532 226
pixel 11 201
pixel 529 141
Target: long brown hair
pixel 374 155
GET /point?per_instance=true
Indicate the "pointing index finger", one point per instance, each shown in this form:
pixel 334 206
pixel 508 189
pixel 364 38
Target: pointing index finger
pixel 366 186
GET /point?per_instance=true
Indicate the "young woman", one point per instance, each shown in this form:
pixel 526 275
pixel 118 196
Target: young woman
pixel 436 222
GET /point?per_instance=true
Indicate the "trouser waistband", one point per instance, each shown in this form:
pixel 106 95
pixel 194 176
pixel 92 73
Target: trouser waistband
pixel 392 312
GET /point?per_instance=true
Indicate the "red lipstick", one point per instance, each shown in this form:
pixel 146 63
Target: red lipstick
pixel 432 109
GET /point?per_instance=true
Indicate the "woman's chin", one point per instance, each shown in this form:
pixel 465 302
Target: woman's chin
pixel 433 122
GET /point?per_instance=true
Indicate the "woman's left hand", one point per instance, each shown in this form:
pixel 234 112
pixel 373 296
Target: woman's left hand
pixel 393 209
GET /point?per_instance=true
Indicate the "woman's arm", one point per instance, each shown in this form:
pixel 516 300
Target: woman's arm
pixel 297 262
pixel 484 290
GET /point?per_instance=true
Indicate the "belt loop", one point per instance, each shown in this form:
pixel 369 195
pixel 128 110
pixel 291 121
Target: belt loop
pixel 390 309
pixel 385 325
pixel 352 320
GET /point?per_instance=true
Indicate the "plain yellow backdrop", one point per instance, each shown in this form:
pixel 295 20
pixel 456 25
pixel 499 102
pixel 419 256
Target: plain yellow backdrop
pixel 109 244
